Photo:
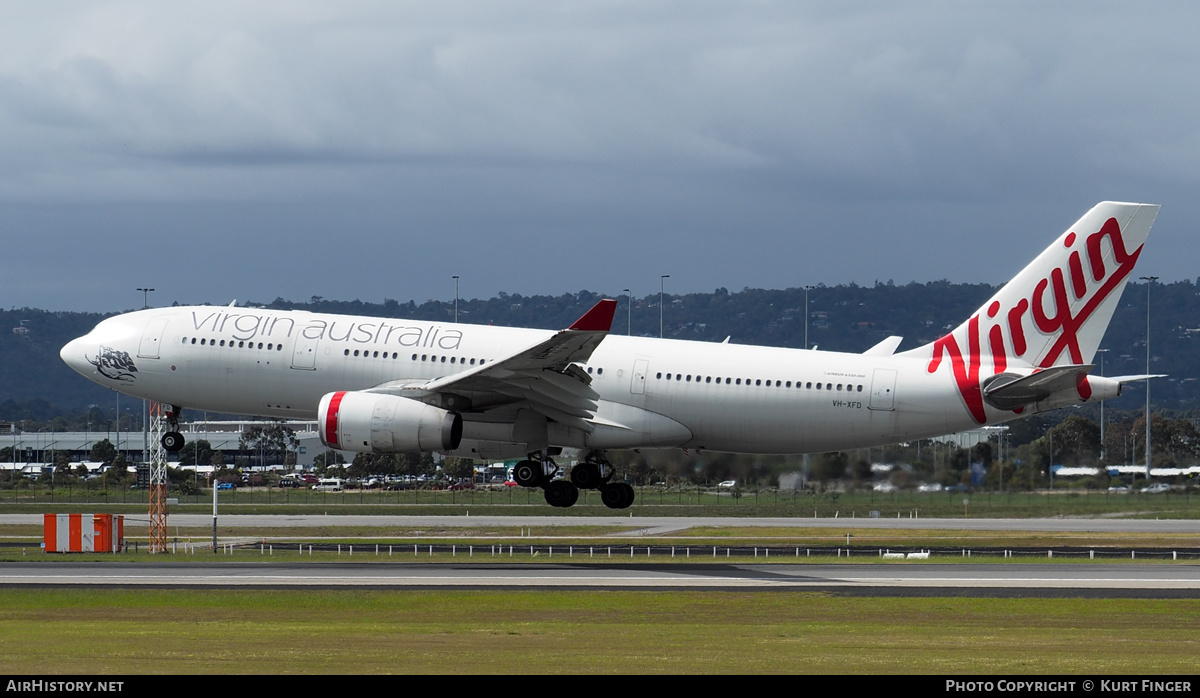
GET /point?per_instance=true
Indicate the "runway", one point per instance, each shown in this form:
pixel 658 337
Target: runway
pixel 890 578
pixel 877 579
pixel 660 525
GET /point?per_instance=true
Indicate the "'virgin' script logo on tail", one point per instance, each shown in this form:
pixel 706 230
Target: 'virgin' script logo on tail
pixel 1049 306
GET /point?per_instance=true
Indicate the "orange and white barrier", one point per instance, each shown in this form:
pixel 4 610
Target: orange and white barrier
pixel 84 533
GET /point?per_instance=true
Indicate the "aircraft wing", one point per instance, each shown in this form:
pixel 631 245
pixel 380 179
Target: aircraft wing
pixel 544 374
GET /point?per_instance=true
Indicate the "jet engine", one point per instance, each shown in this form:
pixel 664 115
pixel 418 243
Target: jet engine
pixel 377 423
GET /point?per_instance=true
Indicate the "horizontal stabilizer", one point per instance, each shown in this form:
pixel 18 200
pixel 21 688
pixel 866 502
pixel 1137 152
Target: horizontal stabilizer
pixel 1133 379
pixel 885 348
pixel 1009 391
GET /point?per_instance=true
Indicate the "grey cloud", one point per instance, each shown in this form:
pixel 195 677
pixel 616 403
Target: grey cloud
pixel 772 143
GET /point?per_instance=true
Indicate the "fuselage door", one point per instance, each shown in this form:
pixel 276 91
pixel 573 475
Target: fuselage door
pixel 152 337
pixel 637 384
pixel 304 353
pixel 883 389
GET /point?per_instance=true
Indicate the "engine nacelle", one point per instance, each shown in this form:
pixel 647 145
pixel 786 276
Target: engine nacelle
pixel 375 423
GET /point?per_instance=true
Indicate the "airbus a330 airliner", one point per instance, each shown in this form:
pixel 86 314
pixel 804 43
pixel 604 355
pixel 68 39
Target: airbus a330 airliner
pixel 384 385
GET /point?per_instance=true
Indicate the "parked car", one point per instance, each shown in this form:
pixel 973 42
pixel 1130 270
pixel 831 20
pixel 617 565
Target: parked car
pixel 226 486
pixel 329 484
pixel 1156 487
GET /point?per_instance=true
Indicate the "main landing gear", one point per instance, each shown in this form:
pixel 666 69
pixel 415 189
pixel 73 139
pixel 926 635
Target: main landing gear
pixel 592 474
pixel 173 440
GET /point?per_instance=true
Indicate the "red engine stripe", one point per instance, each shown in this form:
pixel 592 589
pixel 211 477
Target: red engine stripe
pixel 331 419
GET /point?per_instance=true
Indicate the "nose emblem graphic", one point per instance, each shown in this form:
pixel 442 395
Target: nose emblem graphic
pixel 114 364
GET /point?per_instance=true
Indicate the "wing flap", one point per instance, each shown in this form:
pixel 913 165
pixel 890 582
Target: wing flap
pixel 566 384
pixel 536 390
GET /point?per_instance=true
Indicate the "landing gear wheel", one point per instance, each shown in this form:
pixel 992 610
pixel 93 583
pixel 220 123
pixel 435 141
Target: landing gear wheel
pixel 586 476
pixel 172 441
pixel 528 473
pixel 617 495
pixel 561 493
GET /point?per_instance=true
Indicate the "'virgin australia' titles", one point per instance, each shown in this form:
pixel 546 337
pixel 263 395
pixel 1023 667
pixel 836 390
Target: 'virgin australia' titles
pixel 245 326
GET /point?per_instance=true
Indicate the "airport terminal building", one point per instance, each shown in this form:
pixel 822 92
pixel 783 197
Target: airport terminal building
pixel 35 452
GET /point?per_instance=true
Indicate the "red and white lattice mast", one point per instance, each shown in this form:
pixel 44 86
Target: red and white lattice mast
pixel 158 479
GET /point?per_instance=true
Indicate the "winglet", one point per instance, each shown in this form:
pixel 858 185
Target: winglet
pixel 598 319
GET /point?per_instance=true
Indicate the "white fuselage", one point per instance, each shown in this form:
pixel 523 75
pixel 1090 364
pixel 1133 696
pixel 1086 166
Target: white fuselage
pixel 653 392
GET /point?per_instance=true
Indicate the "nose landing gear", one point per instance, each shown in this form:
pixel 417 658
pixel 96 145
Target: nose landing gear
pixel 172 440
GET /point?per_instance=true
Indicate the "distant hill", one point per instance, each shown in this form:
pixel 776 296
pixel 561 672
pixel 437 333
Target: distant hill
pixel 35 383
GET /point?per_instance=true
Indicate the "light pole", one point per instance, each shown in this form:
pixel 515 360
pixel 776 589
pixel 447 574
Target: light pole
pixel 145 404
pixel 629 320
pixel 1149 282
pixel 806 290
pixel 455 298
pixel 661 281
pixel 1050 466
pixel 1103 453
pixel 1004 452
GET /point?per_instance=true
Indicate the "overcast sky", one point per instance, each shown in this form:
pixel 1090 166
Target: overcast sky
pixel 223 150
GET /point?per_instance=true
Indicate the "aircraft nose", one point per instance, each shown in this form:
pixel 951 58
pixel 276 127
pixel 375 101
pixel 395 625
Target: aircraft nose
pixel 75 355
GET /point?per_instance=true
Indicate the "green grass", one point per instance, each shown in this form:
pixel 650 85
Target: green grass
pixel 64 631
